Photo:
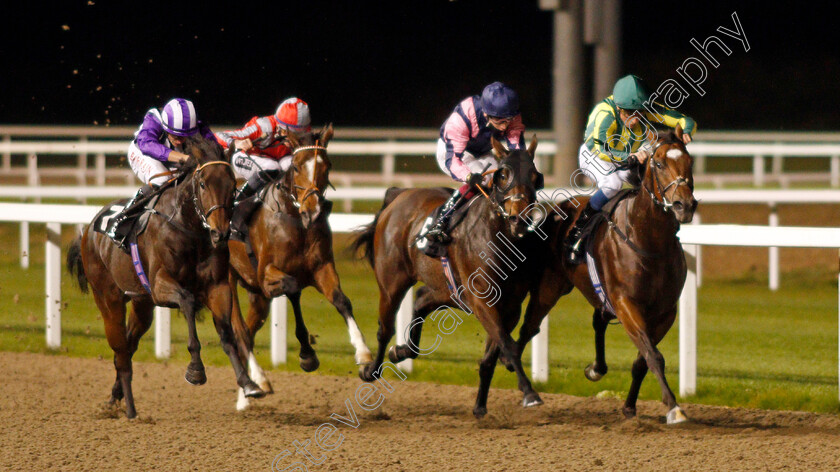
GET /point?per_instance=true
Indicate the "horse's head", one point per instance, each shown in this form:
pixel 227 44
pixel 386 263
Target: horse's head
pixel 515 185
pixel 668 176
pixel 309 174
pixel 212 184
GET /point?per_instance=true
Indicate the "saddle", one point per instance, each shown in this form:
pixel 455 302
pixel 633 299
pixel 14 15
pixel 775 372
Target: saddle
pixel 132 226
pixel 605 214
pixel 433 248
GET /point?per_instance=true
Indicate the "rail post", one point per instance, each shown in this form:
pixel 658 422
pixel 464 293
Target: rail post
pixel 52 257
pixel 279 309
pixel 688 324
pixel 163 332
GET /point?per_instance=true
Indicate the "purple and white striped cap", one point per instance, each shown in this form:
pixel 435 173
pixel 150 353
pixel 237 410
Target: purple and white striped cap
pixel 178 117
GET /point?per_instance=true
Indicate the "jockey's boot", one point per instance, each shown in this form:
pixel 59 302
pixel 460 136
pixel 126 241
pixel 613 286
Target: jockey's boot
pixel 118 231
pixel 438 230
pixel 573 244
pixel 244 206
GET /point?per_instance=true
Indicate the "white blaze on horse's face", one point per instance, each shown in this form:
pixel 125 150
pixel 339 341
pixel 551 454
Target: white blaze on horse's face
pixel 310 167
pixel 674 154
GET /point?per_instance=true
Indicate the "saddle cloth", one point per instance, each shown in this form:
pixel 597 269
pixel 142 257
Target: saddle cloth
pixel 132 227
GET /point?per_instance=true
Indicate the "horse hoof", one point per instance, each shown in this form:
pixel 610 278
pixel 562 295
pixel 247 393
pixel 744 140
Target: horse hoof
pixel 676 416
pixel 592 374
pixel 252 390
pixel 629 413
pixel 366 373
pixel 195 377
pixel 266 387
pixel 531 399
pixel 309 364
pixel 480 412
pixel 130 412
pixel 364 358
pixel 392 355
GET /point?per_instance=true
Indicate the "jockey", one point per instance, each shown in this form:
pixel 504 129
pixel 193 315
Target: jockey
pixel 157 148
pixel 464 150
pixel 614 142
pixel 262 154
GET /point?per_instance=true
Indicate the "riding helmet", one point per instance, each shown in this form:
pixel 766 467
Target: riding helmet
pixel 179 118
pixel 499 100
pixel 630 93
pixel 293 115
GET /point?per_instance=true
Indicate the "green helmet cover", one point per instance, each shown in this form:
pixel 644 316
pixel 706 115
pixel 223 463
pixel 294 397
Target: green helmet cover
pixel 630 93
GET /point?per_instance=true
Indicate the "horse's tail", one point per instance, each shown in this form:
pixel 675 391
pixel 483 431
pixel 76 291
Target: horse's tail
pixel 74 263
pixel 363 237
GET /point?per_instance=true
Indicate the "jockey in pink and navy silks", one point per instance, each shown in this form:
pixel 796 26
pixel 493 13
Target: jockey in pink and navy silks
pixel 464 150
pixel 157 147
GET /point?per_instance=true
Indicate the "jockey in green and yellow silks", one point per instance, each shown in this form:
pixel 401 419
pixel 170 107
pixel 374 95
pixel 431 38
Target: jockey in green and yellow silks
pixel 615 141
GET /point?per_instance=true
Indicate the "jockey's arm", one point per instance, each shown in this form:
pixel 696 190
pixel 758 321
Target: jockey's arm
pixel 671 118
pixel 600 137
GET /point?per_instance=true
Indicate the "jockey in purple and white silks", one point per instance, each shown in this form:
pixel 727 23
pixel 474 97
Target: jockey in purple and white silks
pixel 464 150
pixel 157 147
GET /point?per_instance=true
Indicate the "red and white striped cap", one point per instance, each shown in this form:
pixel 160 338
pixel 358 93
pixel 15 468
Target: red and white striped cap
pixel 293 115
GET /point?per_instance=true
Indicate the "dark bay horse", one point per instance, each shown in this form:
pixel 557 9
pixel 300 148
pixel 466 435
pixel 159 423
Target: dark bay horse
pixel 184 252
pixel 292 243
pixel 641 265
pixel 491 237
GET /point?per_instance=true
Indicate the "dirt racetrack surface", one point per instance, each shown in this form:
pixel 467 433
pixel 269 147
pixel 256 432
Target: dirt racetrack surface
pixel 52 418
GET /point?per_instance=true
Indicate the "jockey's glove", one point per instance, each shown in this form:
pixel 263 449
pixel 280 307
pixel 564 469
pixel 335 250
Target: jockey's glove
pixel 474 179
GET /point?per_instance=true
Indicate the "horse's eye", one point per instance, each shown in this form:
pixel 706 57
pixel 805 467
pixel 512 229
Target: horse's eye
pixel 658 164
pixel 201 184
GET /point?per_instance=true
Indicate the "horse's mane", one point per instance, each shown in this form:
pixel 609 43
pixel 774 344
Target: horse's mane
pixel 202 150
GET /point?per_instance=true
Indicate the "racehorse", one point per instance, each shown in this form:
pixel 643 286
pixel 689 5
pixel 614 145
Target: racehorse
pixel 184 251
pixel 641 264
pixel 291 241
pixel 492 223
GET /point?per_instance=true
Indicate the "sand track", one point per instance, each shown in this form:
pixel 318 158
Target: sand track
pixel 52 417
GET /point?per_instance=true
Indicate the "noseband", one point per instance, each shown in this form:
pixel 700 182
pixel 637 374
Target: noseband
pixel 199 208
pixel 676 183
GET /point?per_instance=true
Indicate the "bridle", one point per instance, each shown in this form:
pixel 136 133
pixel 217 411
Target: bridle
pixel 199 207
pixel 665 204
pixel 312 189
pixel 498 204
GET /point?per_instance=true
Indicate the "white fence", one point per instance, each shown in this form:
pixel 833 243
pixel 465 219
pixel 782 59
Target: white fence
pixel 691 236
pixel 771 198
pixel 389 143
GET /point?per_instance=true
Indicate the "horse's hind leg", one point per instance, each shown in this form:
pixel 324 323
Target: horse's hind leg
pixel 112 307
pixel 596 370
pixel 427 301
pixel 486 368
pixel 326 281
pixel 389 303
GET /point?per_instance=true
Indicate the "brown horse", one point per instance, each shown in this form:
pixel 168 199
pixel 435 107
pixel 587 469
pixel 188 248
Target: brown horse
pixel 483 258
pixel 184 252
pixel 292 243
pixel 640 262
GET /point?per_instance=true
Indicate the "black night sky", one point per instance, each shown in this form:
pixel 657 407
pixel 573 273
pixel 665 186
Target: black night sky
pixel 399 63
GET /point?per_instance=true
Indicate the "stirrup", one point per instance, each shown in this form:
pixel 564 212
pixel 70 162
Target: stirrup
pixel 574 252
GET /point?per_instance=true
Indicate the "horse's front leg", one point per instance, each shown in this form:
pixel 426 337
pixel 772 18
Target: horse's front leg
pixel 168 292
pixel 326 281
pixel 219 301
pixel 486 368
pixel 646 336
pixel 491 319
pixel 274 282
pixel 598 369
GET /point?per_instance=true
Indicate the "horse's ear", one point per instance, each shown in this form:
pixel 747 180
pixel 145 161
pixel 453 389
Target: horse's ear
pixel 678 131
pixel 326 134
pixel 293 140
pixel 228 153
pixel 498 148
pixel 532 148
